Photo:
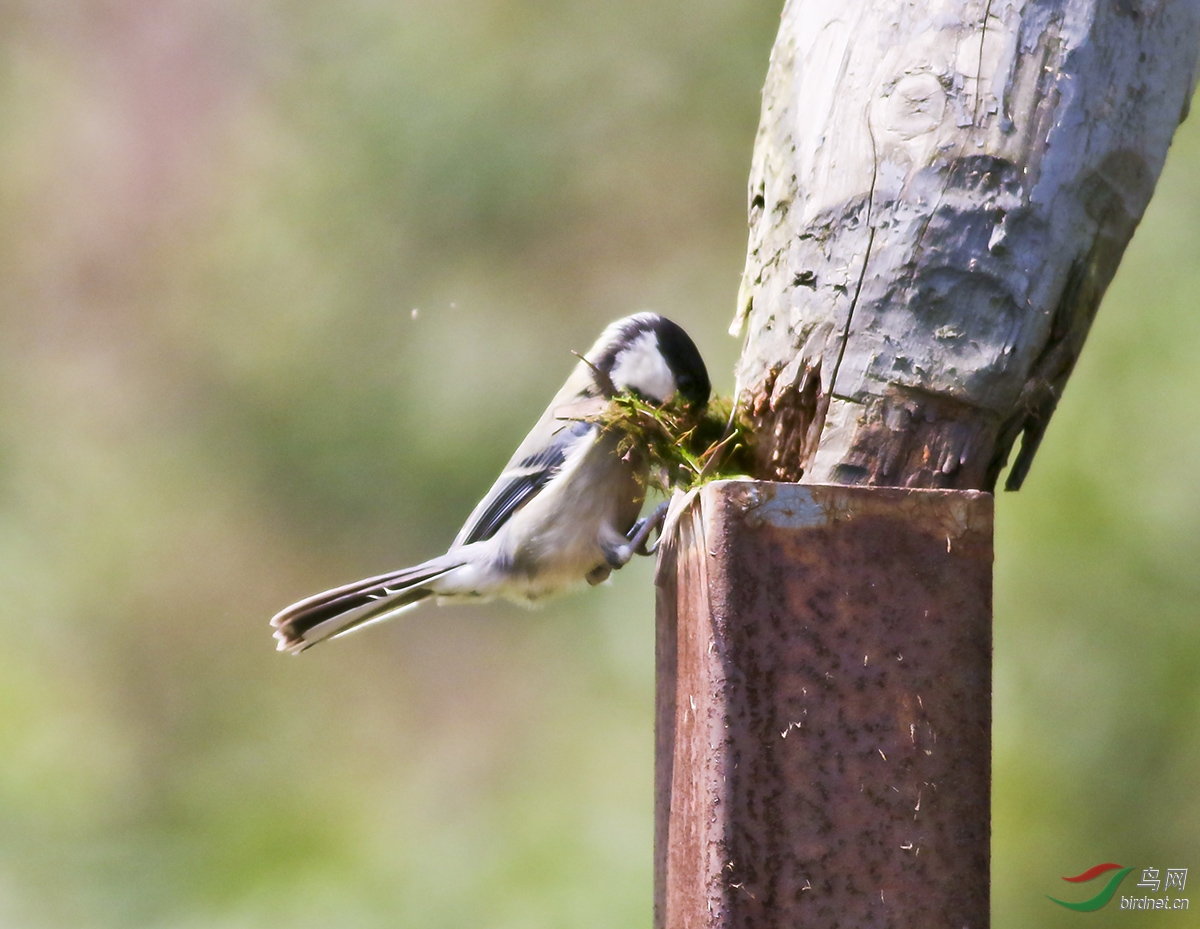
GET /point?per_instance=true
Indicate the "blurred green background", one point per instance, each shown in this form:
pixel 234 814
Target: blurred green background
pixel 283 284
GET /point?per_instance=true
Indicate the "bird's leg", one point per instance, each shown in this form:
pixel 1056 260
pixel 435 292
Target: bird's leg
pixel 617 556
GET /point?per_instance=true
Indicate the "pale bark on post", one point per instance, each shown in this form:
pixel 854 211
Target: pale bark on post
pixel 940 195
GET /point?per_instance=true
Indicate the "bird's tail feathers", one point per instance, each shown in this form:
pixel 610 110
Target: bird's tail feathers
pixel 342 609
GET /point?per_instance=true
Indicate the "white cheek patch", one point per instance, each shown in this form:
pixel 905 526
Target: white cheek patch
pixel 641 367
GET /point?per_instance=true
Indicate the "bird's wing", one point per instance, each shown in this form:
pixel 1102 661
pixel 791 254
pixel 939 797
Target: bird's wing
pixel 524 477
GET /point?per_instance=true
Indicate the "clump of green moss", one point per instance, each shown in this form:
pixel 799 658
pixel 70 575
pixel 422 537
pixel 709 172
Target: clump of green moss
pixel 686 447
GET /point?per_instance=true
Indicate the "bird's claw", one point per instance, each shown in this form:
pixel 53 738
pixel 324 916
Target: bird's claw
pixel 639 535
pixel 599 575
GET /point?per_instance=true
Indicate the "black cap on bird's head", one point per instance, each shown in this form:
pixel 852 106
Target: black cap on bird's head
pixel 653 358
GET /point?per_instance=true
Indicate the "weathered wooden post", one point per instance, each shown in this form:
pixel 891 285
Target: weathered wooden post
pixel 940 195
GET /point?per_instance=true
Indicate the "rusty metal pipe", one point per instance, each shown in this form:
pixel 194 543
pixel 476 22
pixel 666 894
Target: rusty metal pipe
pixel 823 736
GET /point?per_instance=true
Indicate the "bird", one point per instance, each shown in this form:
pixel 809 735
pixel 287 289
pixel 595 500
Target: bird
pixel 565 509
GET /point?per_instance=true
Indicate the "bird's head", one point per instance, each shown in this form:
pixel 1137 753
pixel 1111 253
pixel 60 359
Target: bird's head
pixel 650 357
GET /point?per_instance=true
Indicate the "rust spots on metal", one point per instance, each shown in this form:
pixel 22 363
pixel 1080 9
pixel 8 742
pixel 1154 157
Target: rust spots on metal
pixel 824 708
